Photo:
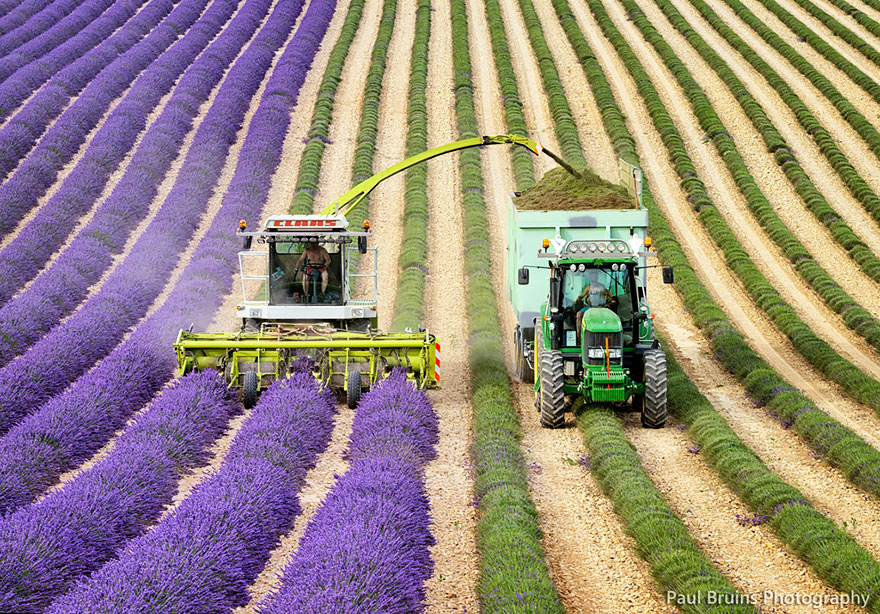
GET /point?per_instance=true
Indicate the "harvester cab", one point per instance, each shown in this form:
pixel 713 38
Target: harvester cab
pixel 303 269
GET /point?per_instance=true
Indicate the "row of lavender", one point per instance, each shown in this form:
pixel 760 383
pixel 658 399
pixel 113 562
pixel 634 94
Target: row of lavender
pixel 47 546
pixel 65 18
pixel 367 548
pixel 74 424
pixel 95 41
pixel 22 258
pixel 203 556
pixel 59 289
pixel 115 73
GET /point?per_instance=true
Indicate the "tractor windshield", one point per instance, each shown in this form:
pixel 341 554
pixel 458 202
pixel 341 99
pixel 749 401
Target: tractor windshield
pixel 302 273
pixel 611 286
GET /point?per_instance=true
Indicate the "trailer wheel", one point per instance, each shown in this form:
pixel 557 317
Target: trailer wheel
pixel 523 370
pixel 249 389
pixel 654 408
pixel 353 389
pixel 552 393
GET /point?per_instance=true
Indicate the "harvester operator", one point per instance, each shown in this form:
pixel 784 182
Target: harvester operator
pixel 594 294
pixel 314 258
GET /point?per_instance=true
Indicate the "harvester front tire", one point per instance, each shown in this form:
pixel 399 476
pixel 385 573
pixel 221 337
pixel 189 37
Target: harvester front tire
pixel 654 408
pixel 249 389
pixel 353 392
pixel 552 394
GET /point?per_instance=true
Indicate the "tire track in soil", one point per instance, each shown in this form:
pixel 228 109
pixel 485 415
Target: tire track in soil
pixel 824 176
pixel 531 89
pixel 786 454
pixel 850 142
pixel 761 334
pixel 218 451
pixel 723 190
pixel 449 478
pixel 592 561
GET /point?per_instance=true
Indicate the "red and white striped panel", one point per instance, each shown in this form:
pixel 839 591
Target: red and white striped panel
pixel 437 362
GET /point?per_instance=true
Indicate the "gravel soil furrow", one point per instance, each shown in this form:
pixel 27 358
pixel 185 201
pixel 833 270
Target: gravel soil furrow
pixel 844 18
pixel 771 180
pixel 752 557
pixel 528 77
pixel 866 9
pixel 824 176
pixel 707 261
pixel 779 448
pixel 452 586
pixel 336 169
pixel 591 559
pixel 841 46
pixel 387 201
pixel 849 141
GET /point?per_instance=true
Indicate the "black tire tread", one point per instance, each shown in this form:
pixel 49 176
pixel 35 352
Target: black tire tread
pixel 552 393
pixel 353 389
pixel 655 411
pixel 249 389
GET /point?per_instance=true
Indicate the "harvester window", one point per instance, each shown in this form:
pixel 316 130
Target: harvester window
pixel 288 273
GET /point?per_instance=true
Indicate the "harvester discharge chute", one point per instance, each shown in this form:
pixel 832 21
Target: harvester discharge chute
pixel 303 296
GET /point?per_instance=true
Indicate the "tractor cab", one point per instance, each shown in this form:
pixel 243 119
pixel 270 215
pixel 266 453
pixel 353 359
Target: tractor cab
pixel 304 268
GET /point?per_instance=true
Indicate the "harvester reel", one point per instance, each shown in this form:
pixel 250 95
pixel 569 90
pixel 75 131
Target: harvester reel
pixel 249 389
pixel 654 408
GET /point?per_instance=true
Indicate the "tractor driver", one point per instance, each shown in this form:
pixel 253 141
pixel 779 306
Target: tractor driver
pixel 314 257
pixel 594 294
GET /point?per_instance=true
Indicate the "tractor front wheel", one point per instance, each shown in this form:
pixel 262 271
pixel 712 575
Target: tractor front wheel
pixel 353 391
pixel 249 389
pixel 524 371
pixel 654 407
pixel 552 394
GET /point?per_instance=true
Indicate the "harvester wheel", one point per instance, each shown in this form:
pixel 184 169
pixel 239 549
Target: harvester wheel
pixel 654 408
pixel 249 389
pixel 552 394
pixel 353 391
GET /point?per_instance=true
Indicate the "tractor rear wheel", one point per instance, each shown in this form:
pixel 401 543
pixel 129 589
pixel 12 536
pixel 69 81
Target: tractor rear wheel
pixel 654 408
pixel 249 389
pixel 353 389
pixel 552 394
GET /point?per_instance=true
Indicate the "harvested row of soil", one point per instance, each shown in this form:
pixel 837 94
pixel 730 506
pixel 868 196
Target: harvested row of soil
pixel 732 205
pixel 453 585
pixel 703 256
pixel 849 141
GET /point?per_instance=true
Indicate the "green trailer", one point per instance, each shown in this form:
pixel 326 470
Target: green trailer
pixel 577 283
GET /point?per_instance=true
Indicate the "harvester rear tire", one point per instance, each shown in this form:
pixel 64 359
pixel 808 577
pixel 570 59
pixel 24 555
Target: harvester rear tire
pixel 552 393
pixel 654 409
pixel 353 391
pixel 249 389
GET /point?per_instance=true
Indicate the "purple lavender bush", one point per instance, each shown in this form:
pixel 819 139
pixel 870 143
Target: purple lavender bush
pixel 46 31
pixel 72 425
pixel 60 288
pixel 99 43
pixel 22 258
pixel 45 547
pixel 368 547
pixel 39 170
pixel 20 13
pixel 203 556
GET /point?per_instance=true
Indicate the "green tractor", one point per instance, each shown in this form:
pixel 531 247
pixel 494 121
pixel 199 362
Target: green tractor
pixel 584 325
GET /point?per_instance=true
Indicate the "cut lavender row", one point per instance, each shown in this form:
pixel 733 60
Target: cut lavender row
pixel 368 547
pixel 71 426
pixel 20 13
pixel 47 546
pixel 203 556
pixel 59 289
pixel 134 285
pixel 40 35
pixel 100 48
pixel 39 170
pixel 34 244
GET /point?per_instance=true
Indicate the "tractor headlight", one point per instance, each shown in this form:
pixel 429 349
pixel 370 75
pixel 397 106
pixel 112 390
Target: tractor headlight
pixel 582 267
pixel 583 248
pixel 596 352
pixel 552 326
pixel 573 267
pixel 614 353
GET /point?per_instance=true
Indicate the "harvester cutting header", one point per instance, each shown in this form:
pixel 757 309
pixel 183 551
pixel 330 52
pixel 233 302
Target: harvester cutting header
pixel 305 292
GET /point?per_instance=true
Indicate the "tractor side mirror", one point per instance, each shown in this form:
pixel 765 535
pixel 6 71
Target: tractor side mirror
pixel 668 275
pixel 362 244
pixel 523 276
